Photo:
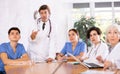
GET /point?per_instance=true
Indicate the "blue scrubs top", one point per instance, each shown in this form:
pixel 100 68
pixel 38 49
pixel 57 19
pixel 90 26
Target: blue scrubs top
pixel 80 47
pixel 6 48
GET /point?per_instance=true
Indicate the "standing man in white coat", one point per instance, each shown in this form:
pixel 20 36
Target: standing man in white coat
pixel 42 41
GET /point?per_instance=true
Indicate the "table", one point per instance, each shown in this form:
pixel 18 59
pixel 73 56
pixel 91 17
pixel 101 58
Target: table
pixel 49 68
pixel 117 71
pixel 45 68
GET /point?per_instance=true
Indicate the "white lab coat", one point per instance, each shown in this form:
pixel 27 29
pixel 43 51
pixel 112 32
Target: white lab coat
pixel 100 50
pixel 114 55
pixel 43 47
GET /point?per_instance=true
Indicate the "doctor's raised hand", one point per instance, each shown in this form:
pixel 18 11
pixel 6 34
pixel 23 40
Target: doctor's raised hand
pixel 33 35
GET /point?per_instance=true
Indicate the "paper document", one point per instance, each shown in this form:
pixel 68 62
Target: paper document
pixel 97 72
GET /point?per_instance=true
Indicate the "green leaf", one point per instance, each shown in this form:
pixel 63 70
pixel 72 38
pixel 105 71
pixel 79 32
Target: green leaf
pixel 82 25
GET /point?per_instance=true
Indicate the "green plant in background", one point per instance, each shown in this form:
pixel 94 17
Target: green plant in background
pixel 117 21
pixel 82 26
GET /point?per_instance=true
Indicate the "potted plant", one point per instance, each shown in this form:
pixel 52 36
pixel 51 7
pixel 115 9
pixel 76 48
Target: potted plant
pixel 117 21
pixel 82 26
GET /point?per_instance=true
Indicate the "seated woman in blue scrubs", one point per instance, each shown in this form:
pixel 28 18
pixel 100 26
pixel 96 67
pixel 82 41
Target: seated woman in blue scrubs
pixel 76 47
pixel 12 52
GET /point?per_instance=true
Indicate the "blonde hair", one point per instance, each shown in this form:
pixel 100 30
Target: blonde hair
pixel 115 26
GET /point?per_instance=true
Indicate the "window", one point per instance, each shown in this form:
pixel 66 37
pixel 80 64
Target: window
pixel 117 12
pixel 105 13
pixel 80 9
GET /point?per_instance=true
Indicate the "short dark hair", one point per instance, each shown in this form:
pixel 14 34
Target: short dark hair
pixel 13 28
pixel 74 30
pixel 44 7
pixel 99 32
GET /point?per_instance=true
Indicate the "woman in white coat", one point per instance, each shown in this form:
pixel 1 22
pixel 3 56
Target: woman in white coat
pixel 99 50
pixel 113 38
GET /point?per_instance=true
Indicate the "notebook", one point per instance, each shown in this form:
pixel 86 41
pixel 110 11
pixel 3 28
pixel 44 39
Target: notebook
pixel 93 65
pixel 86 64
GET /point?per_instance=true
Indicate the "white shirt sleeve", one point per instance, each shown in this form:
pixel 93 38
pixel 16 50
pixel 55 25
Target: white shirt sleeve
pixel 115 53
pixel 117 63
pixel 103 51
pixel 36 39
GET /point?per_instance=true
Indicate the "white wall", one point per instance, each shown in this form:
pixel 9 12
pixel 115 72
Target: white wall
pixel 14 13
pixel 20 13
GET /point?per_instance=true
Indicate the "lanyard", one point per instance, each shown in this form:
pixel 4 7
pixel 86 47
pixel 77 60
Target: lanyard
pixel 95 52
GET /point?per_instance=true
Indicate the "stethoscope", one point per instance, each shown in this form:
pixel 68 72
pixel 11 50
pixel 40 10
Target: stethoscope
pixel 39 20
pixel 95 52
